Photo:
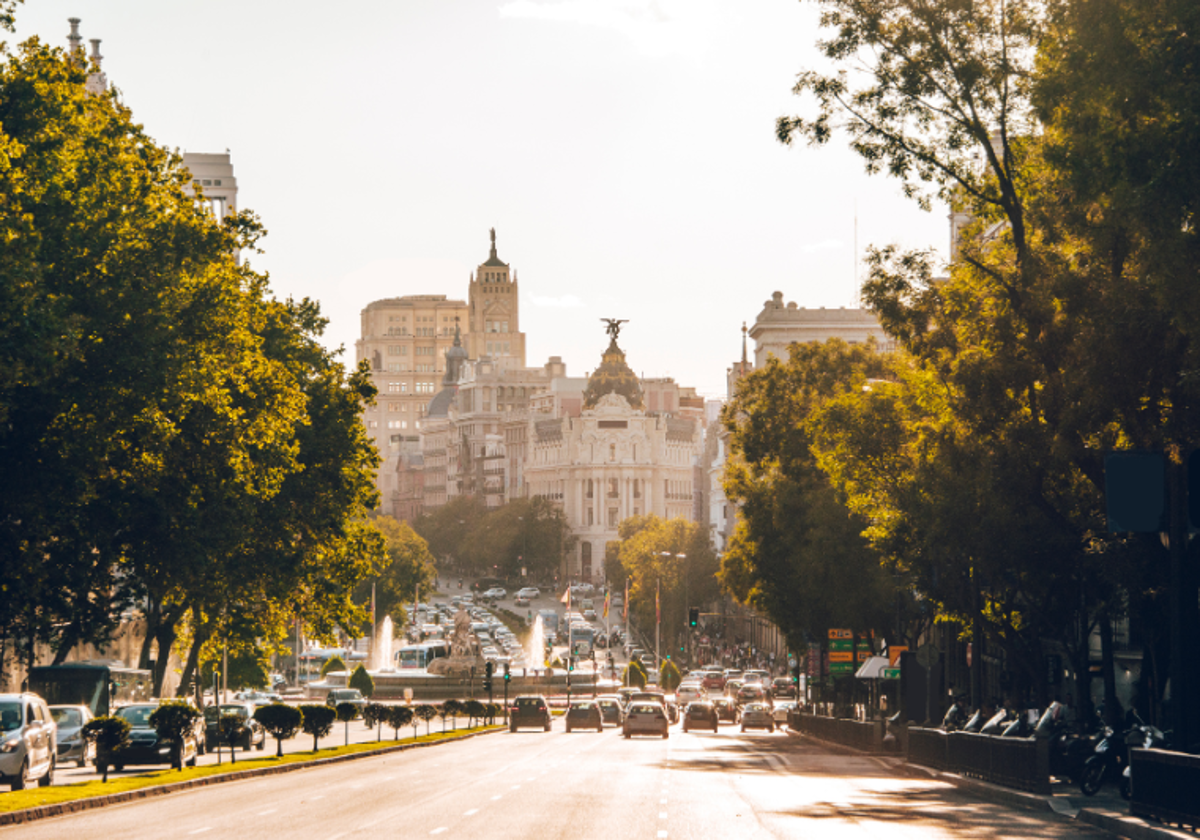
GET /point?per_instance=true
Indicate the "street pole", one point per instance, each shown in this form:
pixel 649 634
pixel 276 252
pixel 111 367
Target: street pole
pixel 657 624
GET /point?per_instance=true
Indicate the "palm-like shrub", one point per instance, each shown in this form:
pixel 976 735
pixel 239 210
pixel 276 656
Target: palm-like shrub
pixel 333 663
pixel 318 721
pixel 281 720
pixel 635 674
pixel 111 735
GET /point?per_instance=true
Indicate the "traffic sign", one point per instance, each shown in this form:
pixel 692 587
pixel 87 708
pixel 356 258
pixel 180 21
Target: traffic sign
pixel 841 656
pixel 841 644
pixel 841 634
pixel 891 673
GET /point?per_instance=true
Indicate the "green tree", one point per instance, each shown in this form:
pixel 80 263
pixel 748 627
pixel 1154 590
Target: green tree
pixel 363 681
pixel 669 676
pixel 281 721
pixel 424 712
pixel 635 674
pixel 318 721
pixel 333 663
pixel 407 568
pixel 232 729
pixel 445 529
pixel 374 716
pixel 173 720
pixel 110 734
pixel 398 717
pixel 346 712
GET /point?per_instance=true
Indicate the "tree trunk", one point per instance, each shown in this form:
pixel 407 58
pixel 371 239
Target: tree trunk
pixel 69 637
pixel 201 633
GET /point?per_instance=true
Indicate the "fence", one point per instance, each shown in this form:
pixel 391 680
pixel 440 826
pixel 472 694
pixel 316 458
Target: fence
pixel 1021 763
pixel 851 733
pixel 1165 786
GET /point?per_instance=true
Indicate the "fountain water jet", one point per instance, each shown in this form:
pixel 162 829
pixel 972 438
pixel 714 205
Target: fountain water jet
pixel 537 645
pixel 381 650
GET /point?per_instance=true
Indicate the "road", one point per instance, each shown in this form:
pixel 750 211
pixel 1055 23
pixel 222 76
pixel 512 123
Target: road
pixel 583 785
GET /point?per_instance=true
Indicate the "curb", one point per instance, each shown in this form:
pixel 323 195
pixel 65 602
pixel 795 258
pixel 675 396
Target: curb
pixel 1118 824
pixel 59 809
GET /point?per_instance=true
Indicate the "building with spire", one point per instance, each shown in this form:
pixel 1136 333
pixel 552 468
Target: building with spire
pixel 494 328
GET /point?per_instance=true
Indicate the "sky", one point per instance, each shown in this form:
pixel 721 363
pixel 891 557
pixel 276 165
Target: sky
pixel 624 151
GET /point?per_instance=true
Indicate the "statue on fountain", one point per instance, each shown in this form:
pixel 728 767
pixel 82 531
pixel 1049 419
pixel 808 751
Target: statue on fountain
pixel 463 655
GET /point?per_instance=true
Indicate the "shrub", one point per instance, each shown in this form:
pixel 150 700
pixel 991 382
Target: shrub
pixel 474 710
pixel 333 663
pixel 451 709
pixel 669 677
pixel 635 674
pixel 346 712
pixel 318 721
pixel 231 729
pixel 281 720
pixel 398 717
pixel 363 681
pixel 374 716
pixel 111 735
pixel 426 713
pixel 493 711
pixel 173 720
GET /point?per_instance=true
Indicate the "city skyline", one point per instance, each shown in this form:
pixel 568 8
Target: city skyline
pixel 624 153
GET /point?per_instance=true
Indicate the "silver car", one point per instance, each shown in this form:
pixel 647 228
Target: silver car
pixel 757 716
pixel 72 746
pixel 643 718
pixel 28 741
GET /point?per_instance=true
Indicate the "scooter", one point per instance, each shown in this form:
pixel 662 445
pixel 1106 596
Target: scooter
pixel 1148 738
pixel 1110 759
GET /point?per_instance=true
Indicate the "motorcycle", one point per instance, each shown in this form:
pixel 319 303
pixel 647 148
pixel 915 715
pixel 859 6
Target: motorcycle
pixel 955 719
pixel 997 723
pixel 1148 738
pixel 1111 757
pixel 1069 748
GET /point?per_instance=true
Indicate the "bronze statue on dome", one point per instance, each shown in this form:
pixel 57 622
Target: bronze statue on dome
pixel 614 326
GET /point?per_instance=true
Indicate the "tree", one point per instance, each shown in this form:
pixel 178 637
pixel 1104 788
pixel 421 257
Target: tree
pixel 669 676
pixel 334 663
pixel 450 709
pixel 446 528
pixel 173 720
pixel 346 712
pixel 318 720
pixel 281 721
pixel 232 729
pixel 475 711
pixel 426 713
pixel 110 734
pixel 397 718
pixel 363 681
pixel 407 568
pixel 635 674
pixel 374 716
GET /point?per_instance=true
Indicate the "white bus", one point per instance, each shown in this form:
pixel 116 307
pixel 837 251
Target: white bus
pixel 420 656
pixel 581 639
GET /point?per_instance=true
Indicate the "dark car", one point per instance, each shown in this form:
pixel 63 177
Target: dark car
pixel 529 710
pixel 347 695
pixel 611 710
pixel 585 714
pixel 726 709
pixel 700 714
pixel 145 747
pixel 782 687
pixel 752 693
pixel 255 735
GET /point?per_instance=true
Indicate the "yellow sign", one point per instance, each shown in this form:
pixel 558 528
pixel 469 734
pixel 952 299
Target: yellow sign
pixel 894 652
pixel 863 655
pixel 841 656
pixel 841 634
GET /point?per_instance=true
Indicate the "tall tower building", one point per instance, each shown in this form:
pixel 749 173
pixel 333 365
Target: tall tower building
pixel 494 328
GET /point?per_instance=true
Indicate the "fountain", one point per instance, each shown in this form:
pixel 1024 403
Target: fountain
pixel 537 645
pixel 381 647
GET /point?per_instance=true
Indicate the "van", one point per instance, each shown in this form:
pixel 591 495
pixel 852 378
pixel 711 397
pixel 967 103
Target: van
pixel 28 741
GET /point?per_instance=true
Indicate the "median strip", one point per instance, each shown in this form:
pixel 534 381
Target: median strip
pixel 29 805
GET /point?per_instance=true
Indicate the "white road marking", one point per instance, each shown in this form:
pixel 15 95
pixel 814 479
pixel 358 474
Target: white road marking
pixel 662 815
pixel 516 787
pixel 268 811
pixel 438 830
pixel 662 834
pixel 497 796
pixel 471 813
pixel 201 830
pixel 662 802
pixel 318 796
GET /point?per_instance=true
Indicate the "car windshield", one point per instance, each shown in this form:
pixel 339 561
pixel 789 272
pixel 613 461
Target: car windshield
pixel 138 716
pixel 67 717
pixel 644 709
pixel 10 716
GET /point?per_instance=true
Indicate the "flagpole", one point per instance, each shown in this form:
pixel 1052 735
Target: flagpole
pixel 657 625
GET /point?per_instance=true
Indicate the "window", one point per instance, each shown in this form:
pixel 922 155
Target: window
pixel 396 367
pixel 637 488
pixel 394 424
pixel 612 517
pixel 372 424
pixel 612 452
pixel 393 408
pixel 589 488
pixel 590 516
pixel 397 349
pixel 613 491
pixel 397 387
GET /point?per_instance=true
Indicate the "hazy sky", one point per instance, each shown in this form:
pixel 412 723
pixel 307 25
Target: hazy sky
pixel 624 151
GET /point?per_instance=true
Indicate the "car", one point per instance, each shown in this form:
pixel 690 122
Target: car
pixel 255 735
pixel 589 614
pixel 763 677
pixel 521 601
pixel 657 696
pixel 687 692
pixel 783 687
pixel 625 694
pixel 611 709
pixel 713 679
pixel 726 709
pixel 781 711
pixel 585 714
pixel 732 674
pixel 347 695
pixel 752 693
pixel 145 747
pixel 258 698
pixel 28 741
pixel 700 714
pixel 732 686
pixel 72 746
pixel 530 592
pixel 497 593
pixel 529 710
pixel 646 718
pixel 757 716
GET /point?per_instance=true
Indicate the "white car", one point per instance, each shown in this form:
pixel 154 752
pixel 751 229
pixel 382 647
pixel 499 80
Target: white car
pixel 496 592
pixel 780 711
pixel 687 692
pixel 757 716
pixel 530 592
pixel 28 741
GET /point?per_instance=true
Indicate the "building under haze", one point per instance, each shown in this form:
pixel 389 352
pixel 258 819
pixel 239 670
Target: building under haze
pixel 780 324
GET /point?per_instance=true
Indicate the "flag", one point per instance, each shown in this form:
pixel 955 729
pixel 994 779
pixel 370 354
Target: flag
pixel 625 603
pixel 607 597
pixel 566 598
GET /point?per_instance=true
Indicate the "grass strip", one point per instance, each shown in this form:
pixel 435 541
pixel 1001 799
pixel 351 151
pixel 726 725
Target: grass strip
pixel 121 783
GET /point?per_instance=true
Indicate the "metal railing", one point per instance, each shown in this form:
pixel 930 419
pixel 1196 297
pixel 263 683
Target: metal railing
pixel 1166 786
pixel 862 735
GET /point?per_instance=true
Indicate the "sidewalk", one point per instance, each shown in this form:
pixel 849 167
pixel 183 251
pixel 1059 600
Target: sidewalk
pixel 1106 810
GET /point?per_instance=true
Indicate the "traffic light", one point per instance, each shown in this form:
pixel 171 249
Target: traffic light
pixel 507 675
pixel 488 670
pixel 693 616
pixel 796 674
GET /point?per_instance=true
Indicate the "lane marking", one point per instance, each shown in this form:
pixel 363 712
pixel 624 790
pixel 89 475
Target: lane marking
pixel 471 813
pixel 516 787
pixel 201 830
pixel 662 815
pixel 662 834
pixel 497 796
pixel 662 802
pixel 318 796
pixel 439 830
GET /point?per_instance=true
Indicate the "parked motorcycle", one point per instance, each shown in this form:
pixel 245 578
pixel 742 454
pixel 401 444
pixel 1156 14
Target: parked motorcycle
pixel 1069 746
pixel 1111 756
pixel 956 716
pixel 998 722
pixel 1148 738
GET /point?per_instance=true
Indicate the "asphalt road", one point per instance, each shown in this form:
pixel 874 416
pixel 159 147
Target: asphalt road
pixel 583 785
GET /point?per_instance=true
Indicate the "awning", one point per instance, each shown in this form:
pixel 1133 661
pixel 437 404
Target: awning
pixel 873 668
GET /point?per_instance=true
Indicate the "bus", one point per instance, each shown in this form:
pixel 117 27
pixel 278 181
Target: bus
pixel 312 661
pixel 97 685
pixel 581 639
pixel 420 656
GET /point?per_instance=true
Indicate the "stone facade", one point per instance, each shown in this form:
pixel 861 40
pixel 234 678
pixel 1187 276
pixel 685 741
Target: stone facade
pixel 780 324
